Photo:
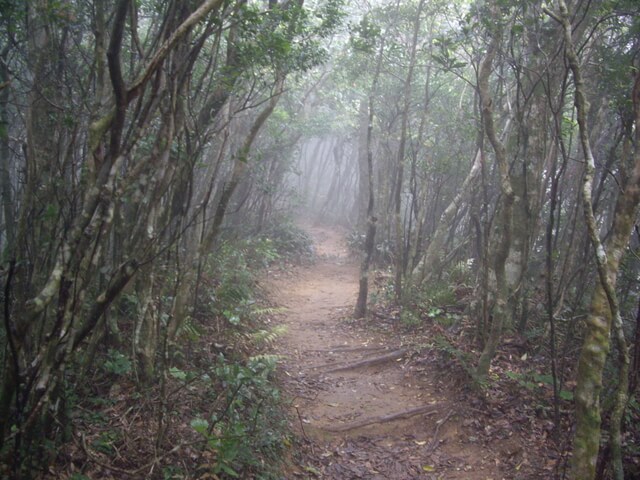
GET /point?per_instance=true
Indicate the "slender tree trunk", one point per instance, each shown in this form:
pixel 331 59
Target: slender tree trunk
pixel 549 284
pixel 363 168
pixel 369 243
pixel 6 193
pixel 430 264
pixel 181 299
pixel 604 311
pixel 503 227
pixel 400 251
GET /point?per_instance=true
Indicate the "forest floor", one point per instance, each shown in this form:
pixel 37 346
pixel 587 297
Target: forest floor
pixel 366 406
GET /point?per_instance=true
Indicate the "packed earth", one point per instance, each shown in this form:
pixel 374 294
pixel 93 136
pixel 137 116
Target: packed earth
pixel 369 403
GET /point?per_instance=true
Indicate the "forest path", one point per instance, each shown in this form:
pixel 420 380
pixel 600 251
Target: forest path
pixel 374 418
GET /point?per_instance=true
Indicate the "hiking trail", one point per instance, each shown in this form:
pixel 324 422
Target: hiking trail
pixel 357 404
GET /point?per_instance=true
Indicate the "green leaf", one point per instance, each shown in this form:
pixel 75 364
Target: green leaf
pixel 566 395
pixel 177 373
pixel 546 379
pixel 229 471
pixel 200 425
pixel 313 470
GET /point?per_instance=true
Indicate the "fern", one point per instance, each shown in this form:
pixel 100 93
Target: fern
pixel 465 360
pixel 267 337
pixel 268 311
pixel 265 358
pixel 190 330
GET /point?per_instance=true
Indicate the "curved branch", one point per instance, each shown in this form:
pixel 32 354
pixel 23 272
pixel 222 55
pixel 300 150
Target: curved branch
pixel 115 73
pixel 168 45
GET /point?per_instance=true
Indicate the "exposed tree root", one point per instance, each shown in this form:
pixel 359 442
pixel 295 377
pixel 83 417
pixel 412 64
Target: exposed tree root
pixel 345 349
pixel 422 410
pixel 373 350
pixel 370 361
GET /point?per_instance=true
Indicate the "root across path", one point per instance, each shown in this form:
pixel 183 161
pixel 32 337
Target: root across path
pixel 361 412
pixel 412 412
pixel 370 362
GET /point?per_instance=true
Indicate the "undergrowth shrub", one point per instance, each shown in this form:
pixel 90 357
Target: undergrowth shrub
pixel 231 272
pixel 383 249
pixel 289 240
pixel 245 438
pixel 355 242
pixel 428 303
pixel 216 386
pixel 230 280
pixel 245 431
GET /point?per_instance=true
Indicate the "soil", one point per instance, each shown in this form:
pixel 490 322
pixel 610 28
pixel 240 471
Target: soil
pixel 362 406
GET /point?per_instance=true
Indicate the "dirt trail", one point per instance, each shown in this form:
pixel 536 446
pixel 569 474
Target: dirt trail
pixel 364 419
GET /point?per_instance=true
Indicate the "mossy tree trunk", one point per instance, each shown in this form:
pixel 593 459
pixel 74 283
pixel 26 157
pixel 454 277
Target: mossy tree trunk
pixel 503 224
pixel 604 311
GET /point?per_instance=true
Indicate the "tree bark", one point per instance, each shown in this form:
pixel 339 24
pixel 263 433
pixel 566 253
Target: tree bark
pixel 181 300
pixel 431 262
pixel 363 286
pixel 6 193
pixel 604 311
pixel 400 251
pixel 503 227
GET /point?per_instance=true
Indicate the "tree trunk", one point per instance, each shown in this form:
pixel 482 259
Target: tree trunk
pixel 6 193
pixel 430 264
pixel 363 168
pixel 604 312
pixel 183 293
pixel 503 226
pixel 400 251
pixel 363 291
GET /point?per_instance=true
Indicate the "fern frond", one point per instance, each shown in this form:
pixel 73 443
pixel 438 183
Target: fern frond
pixel 267 337
pixel 268 311
pixel 190 330
pixel 266 358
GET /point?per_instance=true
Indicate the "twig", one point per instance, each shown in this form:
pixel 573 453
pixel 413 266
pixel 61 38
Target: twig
pixel 304 434
pixel 92 458
pixel 434 441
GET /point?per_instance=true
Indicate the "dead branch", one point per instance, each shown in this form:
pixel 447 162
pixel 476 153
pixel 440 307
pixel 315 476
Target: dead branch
pixel 304 434
pixel 371 361
pixel 422 410
pixel 434 441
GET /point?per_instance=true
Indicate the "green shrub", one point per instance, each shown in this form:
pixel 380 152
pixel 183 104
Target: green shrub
pixel 117 363
pixel 250 432
pixel 289 240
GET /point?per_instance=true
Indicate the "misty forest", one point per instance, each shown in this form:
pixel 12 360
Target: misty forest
pixel 322 239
